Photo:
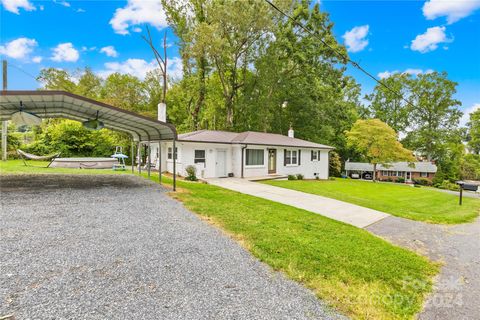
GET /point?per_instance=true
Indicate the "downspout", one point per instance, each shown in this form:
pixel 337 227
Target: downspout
pixel 243 148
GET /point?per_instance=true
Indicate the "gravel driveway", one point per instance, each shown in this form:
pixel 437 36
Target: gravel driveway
pixel 116 247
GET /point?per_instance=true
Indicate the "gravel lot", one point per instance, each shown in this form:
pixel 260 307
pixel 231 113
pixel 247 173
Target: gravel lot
pixel 116 247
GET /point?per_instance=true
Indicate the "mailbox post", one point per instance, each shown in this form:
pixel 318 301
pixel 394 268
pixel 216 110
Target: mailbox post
pixel 466 186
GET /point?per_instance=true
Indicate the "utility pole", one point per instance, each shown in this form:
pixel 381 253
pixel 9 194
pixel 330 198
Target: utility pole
pixel 4 123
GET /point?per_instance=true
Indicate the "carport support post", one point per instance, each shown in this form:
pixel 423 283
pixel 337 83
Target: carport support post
pixel 139 153
pixel 149 158
pixel 132 154
pixel 174 166
pixel 159 157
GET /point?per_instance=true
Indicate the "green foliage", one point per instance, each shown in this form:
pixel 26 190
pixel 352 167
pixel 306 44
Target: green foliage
pixel 191 173
pixel 335 164
pixel 292 177
pixel 73 140
pixel 474 132
pixel 400 180
pixel 448 185
pixel 387 105
pixel 422 181
pixel 470 167
pixel 13 140
pixel 299 176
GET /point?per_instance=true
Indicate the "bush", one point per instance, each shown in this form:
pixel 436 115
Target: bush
pixel 389 180
pixel 401 180
pixel 191 173
pixel 292 177
pixel 299 176
pixel 331 178
pixel 447 185
pixel 422 181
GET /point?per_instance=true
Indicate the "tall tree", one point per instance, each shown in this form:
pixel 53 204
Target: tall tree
pixel 387 104
pixel 435 117
pixel 474 132
pixel 377 142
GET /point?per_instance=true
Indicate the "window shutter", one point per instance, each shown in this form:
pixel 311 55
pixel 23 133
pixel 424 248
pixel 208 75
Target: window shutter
pixel 318 156
pixel 284 157
pixel 311 155
pixel 299 151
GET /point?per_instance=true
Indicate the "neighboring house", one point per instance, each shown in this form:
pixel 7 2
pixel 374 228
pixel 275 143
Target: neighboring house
pixel 246 154
pixel 408 171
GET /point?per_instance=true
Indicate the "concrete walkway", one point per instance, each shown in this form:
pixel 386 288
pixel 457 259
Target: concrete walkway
pixel 338 210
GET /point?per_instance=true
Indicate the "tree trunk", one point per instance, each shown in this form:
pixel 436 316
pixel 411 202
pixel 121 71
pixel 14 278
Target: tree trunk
pixel 374 172
pixel 201 64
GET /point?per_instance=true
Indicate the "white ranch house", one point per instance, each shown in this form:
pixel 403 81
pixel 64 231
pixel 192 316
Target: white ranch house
pixel 248 154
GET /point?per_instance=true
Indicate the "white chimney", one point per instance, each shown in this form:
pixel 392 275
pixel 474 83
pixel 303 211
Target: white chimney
pixel 162 112
pixel 290 133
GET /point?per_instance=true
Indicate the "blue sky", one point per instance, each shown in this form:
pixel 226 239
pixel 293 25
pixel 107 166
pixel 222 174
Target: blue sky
pixel 383 36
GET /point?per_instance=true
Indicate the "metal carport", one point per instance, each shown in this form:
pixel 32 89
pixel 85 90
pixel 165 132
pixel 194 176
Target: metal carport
pixel 62 104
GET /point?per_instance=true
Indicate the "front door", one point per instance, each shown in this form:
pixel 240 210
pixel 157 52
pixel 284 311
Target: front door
pixel 221 164
pixel 272 161
pixel 408 176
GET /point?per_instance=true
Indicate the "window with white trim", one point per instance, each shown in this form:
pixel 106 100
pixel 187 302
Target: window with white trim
pixel 254 157
pixel 170 155
pixel 314 155
pixel 424 174
pixel 199 156
pixel 291 157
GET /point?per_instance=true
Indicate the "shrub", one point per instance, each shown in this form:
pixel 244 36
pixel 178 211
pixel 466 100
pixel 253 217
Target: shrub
pixel 422 181
pixel 446 184
pixel 401 180
pixel 191 173
pixel 292 177
pixel 299 176
pixel 331 178
pixel 389 179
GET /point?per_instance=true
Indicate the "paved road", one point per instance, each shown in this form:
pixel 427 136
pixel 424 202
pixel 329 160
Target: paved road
pixel 334 209
pixel 116 247
pixel 458 247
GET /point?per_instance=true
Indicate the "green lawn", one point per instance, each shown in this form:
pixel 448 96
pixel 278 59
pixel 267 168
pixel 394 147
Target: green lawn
pixel 357 273
pixel 422 204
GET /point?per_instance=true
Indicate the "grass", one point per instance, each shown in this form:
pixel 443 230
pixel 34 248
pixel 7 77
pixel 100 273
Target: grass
pixel 423 204
pixel 357 273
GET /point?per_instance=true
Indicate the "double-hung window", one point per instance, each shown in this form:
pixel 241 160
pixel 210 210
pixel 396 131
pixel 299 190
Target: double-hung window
pixel 170 154
pixel 254 157
pixel 199 156
pixel 315 155
pixel 424 174
pixel 291 157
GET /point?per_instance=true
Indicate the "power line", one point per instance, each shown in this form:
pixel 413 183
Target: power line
pixel 25 72
pixel 344 57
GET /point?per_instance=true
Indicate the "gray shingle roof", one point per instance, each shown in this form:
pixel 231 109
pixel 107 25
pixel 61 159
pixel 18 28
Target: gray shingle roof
pixel 396 166
pixel 248 137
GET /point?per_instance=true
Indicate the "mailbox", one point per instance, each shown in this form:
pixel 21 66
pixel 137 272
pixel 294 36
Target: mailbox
pixel 470 187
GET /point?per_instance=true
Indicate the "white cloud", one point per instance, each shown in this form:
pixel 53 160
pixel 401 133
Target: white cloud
pixel 140 67
pixel 355 39
pixel 65 52
pixel 80 10
pixel 109 51
pixel 62 3
pixel 139 12
pixel 19 48
pixel 37 59
pixel 454 10
pixel 415 72
pixel 466 114
pixel 15 5
pixel 137 29
pixel 429 40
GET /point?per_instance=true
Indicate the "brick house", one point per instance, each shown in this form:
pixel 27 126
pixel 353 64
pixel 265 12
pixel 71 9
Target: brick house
pixel 406 170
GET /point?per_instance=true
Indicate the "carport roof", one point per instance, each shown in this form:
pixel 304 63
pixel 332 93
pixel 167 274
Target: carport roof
pixel 62 104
